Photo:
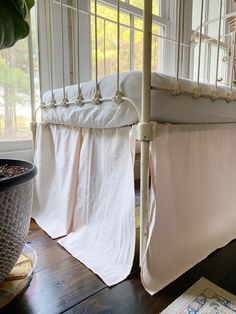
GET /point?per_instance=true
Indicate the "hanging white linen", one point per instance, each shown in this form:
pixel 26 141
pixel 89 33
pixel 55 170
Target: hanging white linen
pixel 103 232
pixel 193 170
pixel 57 154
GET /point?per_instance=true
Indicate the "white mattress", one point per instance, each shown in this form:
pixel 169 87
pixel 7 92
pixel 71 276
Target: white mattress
pixel 164 106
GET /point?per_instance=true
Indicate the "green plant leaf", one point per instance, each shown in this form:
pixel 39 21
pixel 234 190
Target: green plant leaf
pixel 14 21
pixel 29 3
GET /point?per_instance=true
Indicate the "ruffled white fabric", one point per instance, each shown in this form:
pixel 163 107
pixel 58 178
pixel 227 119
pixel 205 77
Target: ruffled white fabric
pixel 57 151
pixel 103 232
pixel 85 188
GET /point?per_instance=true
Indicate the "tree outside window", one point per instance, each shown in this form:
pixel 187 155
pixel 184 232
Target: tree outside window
pixel 15 102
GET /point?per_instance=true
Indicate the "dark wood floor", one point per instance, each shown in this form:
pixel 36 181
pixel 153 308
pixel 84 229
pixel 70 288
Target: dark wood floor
pixel 61 284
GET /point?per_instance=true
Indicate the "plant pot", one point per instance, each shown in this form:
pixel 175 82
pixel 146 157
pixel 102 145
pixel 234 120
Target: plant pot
pixel 16 197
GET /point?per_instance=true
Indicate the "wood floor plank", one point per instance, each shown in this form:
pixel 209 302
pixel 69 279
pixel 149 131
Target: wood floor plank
pixel 35 231
pixel 46 250
pixel 129 297
pixel 57 288
pixel 59 280
pixel 62 284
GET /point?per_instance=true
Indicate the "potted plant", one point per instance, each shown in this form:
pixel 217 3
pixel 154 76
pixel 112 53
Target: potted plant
pixel 16 176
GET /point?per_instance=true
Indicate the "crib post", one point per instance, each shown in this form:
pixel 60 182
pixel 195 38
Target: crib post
pixel 145 127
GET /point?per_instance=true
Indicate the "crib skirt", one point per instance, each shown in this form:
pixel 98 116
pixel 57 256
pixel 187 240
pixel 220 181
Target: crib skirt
pixel 193 207
pixel 85 194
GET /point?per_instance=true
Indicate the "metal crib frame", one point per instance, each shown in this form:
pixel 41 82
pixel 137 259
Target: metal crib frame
pixel 144 132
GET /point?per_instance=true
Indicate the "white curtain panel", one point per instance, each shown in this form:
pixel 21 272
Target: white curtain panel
pixel 193 207
pixel 103 233
pixel 57 154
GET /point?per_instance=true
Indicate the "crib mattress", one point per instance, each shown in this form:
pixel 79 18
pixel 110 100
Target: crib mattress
pixel 164 106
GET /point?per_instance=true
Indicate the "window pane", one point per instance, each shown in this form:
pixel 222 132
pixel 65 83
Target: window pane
pixel 107 40
pixel 213 11
pixel 139 4
pixel 222 70
pixel 156 30
pixel 196 13
pixel 131 42
pixel 15 104
pixel 110 13
pixel 213 64
pixel 138 23
pixel 203 64
pixel 155 7
pixel 209 47
pixel 14 92
pixel 125 49
pixel 138 48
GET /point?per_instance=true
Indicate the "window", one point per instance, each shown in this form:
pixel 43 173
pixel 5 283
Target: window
pixel 131 36
pixel 131 28
pixel 15 100
pixel 209 42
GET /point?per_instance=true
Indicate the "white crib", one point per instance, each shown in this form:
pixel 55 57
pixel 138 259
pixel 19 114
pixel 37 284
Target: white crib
pixel 187 114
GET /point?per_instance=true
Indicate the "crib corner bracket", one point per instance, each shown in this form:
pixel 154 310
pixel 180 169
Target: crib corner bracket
pixel 144 131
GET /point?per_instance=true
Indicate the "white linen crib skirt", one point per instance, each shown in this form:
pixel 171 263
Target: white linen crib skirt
pixel 57 151
pixel 193 170
pixel 103 234
pixel 92 170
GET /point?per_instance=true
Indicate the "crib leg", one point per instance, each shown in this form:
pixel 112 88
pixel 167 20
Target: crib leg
pixel 144 134
pixel 144 198
pixel 145 127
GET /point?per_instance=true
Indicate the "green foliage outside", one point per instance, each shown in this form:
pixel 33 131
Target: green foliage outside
pixel 107 40
pixel 15 91
pixel 14 87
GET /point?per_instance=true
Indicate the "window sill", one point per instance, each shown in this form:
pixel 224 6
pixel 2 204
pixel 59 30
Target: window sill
pixel 17 149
